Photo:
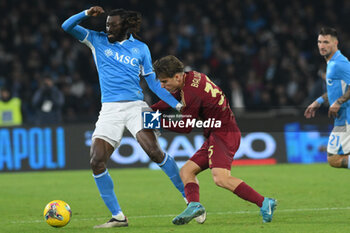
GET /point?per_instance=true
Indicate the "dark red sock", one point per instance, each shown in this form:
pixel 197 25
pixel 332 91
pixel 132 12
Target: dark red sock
pixel 247 193
pixel 192 192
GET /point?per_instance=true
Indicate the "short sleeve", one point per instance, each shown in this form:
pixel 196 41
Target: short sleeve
pixel 345 72
pixel 146 64
pixel 90 38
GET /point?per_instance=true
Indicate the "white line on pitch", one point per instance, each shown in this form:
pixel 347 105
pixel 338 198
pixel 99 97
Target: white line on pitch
pixel 209 213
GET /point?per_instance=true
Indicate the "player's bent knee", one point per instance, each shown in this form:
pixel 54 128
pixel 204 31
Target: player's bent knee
pixel 184 173
pixel 334 160
pixel 97 165
pixel 220 180
pixel 187 174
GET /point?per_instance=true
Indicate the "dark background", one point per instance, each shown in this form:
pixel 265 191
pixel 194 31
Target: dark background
pixel 262 53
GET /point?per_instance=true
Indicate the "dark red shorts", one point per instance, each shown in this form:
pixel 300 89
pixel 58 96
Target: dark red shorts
pixel 218 150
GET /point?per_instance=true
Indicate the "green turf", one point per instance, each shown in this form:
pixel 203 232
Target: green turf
pixel 312 198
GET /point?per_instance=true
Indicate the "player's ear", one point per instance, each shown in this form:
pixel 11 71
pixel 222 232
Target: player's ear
pixel 178 76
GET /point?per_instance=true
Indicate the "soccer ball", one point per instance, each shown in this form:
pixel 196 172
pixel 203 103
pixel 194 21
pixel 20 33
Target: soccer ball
pixel 57 213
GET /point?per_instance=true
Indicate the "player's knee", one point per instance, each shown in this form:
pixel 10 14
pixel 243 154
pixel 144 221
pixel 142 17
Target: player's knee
pixel 334 160
pixel 97 164
pixel 184 173
pixel 220 180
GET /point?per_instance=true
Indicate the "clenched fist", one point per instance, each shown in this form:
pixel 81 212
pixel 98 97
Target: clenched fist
pixel 95 11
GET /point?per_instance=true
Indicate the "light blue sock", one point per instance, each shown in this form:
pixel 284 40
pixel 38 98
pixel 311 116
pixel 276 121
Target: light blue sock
pixel 168 165
pixel 348 161
pixel 105 185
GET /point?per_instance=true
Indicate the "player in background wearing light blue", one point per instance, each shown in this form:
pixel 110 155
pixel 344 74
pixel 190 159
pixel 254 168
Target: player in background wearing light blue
pixel 120 59
pixel 338 94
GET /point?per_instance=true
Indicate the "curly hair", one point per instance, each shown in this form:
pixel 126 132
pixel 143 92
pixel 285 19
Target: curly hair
pixel 131 20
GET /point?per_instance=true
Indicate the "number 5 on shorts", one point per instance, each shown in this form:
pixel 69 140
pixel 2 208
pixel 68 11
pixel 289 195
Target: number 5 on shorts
pixel 210 153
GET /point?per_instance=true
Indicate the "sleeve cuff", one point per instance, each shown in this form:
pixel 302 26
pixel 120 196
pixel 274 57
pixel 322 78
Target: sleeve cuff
pixel 320 100
pixel 179 106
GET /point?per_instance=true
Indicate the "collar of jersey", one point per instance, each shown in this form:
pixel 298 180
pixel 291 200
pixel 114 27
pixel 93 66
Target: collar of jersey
pixel 335 55
pixel 131 38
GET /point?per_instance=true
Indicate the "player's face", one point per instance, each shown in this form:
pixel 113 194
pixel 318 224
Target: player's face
pixel 114 29
pixel 171 84
pixel 327 45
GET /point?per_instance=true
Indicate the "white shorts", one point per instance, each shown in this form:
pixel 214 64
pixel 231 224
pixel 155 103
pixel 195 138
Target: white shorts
pixel 339 140
pixel 115 116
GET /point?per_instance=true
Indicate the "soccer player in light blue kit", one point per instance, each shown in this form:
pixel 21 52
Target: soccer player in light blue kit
pixel 338 94
pixel 120 59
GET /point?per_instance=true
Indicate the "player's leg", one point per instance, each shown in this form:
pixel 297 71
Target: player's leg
pixel 222 147
pixel 106 137
pixel 338 161
pixel 148 141
pixel 197 163
pixel 100 153
pixel 222 178
pixel 338 148
pixel 194 209
pixel 150 145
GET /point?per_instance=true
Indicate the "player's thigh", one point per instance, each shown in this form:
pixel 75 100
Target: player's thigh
pixel 222 146
pixel 339 141
pixel 200 158
pixel 134 119
pixel 111 123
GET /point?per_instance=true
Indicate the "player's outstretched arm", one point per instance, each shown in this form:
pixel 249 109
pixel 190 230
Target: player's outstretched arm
pixel 162 93
pixel 71 25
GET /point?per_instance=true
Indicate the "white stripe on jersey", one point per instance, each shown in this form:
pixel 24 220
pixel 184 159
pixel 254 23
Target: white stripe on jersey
pixel 93 50
pixel 343 86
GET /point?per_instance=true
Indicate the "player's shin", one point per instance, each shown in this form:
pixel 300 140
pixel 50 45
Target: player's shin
pixel 105 186
pixel 168 165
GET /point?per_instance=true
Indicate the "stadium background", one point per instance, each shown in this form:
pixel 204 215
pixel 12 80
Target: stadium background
pixel 262 53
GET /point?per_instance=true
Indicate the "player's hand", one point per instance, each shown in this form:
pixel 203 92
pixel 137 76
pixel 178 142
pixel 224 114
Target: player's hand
pixel 311 110
pixel 334 109
pixel 95 11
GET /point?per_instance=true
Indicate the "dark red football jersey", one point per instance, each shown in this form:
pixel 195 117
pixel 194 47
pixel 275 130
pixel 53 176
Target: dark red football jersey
pixel 203 100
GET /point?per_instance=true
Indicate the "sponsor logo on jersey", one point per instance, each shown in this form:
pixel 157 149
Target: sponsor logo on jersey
pixel 329 82
pixel 122 58
pixel 108 52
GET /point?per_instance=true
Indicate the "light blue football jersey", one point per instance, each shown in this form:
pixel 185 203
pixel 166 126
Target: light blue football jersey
pixel 119 65
pixel 338 81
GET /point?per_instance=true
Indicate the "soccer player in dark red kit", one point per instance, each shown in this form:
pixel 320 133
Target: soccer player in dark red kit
pixel 202 99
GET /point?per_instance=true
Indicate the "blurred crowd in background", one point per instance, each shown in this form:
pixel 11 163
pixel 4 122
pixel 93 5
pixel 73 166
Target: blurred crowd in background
pixel 262 53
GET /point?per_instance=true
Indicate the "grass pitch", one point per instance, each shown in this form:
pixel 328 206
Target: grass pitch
pixel 311 198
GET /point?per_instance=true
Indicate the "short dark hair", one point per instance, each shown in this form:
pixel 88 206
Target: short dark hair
pixel 168 66
pixel 328 31
pixel 131 20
